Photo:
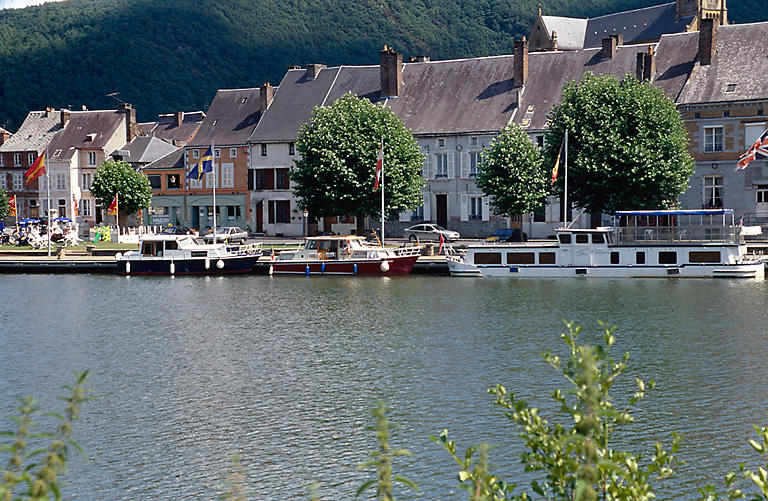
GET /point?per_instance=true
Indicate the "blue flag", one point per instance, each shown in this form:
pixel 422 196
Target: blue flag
pixel 204 165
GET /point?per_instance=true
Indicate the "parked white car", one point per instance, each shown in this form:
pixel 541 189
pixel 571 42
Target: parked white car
pixel 424 232
pixel 229 234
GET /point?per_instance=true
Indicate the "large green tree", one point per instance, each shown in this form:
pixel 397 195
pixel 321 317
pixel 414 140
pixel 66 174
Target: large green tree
pixel 512 173
pixel 627 146
pixel 339 149
pixel 116 176
pixel 4 209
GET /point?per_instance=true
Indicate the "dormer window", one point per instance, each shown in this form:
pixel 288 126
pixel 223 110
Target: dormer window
pixel 57 153
pixel 731 87
pixel 245 100
pixel 90 137
pixel 215 122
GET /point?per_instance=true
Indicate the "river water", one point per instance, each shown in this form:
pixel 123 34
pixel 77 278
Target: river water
pixel 283 370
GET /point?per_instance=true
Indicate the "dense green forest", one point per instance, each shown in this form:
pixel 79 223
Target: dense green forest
pixel 164 56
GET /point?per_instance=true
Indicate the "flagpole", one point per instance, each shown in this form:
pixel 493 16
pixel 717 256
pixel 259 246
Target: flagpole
pixel 213 164
pixel 382 191
pixel 48 202
pixel 117 214
pixel 565 163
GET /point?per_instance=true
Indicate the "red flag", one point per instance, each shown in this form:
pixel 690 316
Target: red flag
pixel 12 206
pixel 112 209
pixel 379 165
pixel 74 203
pixel 35 170
pixel 759 149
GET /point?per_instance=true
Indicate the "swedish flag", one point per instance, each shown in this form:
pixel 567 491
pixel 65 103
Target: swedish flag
pixel 204 165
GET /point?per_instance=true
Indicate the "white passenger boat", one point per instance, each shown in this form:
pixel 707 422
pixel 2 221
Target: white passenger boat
pixel 676 243
pixel 183 255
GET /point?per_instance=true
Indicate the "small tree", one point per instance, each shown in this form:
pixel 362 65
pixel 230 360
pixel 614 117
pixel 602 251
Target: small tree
pixel 339 149
pixel 512 173
pixel 4 209
pixel 627 146
pixel 116 176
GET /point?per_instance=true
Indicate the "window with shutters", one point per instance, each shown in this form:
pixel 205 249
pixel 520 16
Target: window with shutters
pixel 282 181
pixel 85 207
pixel 61 181
pixel 441 166
pixel 85 181
pixel 279 211
pixel 210 179
pixel 263 179
pixel 475 208
pixel 18 181
pixel 474 162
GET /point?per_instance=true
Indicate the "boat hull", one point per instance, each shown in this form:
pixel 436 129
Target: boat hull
pixel 754 270
pixel 230 265
pixel 399 265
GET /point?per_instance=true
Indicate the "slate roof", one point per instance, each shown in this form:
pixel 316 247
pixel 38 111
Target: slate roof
pixel 145 149
pixel 741 62
pixel 637 25
pixel 85 129
pixel 166 129
pixel 456 96
pixel 570 31
pixel 35 132
pixel 231 118
pixel 173 160
pixel 298 93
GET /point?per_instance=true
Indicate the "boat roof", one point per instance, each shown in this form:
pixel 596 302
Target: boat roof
pixel 683 212
pixel 336 237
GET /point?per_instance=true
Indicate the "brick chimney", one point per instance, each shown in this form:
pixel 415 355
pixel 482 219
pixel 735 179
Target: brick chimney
pixel 707 41
pixel 64 117
pixel 313 70
pixel 521 62
pixel 391 72
pixel 645 68
pixel 178 118
pixel 610 44
pixel 4 135
pixel 266 93
pixel 131 127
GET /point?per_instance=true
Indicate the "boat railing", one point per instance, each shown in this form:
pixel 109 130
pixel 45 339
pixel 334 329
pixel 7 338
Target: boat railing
pixel 251 249
pixel 660 234
pixel 408 251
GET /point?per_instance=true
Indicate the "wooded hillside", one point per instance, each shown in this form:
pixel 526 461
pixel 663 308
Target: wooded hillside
pixel 164 56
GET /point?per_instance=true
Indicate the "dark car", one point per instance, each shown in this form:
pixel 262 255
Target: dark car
pixel 508 235
pixel 176 230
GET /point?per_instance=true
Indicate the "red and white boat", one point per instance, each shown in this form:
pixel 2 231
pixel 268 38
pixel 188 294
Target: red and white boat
pixel 344 255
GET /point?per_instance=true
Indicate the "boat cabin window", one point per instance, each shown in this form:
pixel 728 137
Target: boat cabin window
pixel 704 257
pixel 171 245
pixel 565 238
pixel 597 238
pixel 488 258
pixel 311 245
pixel 152 249
pixel 667 257
pixel 614 258
pixel 521 258
pixel 582 238
pixel 640 257
pixel 546 258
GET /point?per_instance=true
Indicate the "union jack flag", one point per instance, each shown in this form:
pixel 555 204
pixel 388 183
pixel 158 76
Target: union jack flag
pixel 759 149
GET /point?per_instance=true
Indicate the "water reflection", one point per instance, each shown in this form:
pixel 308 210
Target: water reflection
pixel 283 369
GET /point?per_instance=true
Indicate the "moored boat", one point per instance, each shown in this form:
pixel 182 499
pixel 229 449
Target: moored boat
pixel 703 243
pixel 344 255
pixel 182 255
